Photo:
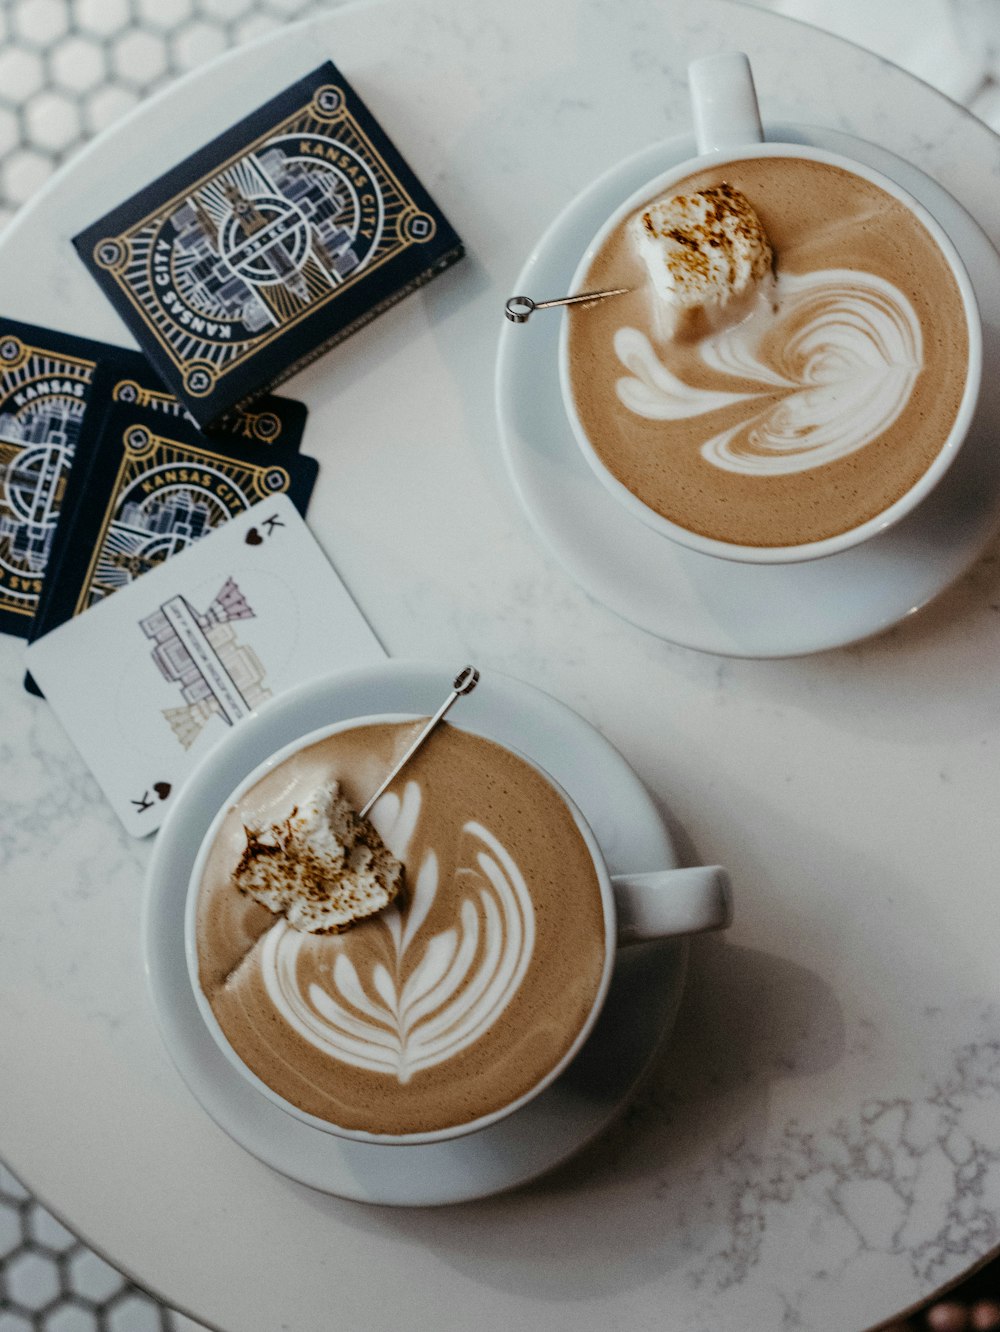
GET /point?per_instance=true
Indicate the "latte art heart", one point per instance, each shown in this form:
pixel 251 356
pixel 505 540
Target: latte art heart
pixel 833 362
pixel 819 406
pixel 435 993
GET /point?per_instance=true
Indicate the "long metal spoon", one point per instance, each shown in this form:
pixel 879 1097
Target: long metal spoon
pixel 519 308
pixel 464 683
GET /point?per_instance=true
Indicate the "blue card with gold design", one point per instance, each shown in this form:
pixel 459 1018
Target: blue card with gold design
pixel 46 393
pixel 269 245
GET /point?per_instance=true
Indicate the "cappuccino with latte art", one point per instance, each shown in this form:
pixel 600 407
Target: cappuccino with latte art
pixel 455 1001
pixel 818 408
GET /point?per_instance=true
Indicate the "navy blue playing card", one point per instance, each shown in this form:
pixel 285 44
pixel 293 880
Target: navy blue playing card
pixel 46 389
pixel 275 241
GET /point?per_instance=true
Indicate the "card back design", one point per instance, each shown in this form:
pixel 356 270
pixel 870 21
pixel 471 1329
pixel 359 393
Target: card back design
pixel 43 396
pixel 166 495
pixel 242 261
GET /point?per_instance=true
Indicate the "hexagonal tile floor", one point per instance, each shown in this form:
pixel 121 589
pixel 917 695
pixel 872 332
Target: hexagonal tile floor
pixel 68 68
pixel 51 1282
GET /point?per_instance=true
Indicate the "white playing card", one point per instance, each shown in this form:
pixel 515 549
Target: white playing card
pixel 148 681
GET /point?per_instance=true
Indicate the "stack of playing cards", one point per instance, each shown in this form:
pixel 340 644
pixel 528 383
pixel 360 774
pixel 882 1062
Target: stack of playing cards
pixel 61 455
pixel 148 483
pixel 267 246
pixel 103 474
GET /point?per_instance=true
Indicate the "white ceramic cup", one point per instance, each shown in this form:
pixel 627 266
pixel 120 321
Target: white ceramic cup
pixel 637 907
pixel 728 128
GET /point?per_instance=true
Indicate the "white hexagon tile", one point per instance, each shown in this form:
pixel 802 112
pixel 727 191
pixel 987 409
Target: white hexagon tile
pixel 69 68
pixel 51 1282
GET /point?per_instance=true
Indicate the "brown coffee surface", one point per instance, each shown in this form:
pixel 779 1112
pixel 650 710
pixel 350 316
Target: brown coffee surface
pixel 817 217
pixel 449 1053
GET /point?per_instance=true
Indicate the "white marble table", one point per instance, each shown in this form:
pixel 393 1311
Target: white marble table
pixel 821 1146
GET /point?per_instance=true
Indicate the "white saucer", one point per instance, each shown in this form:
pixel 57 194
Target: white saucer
pixel 637 1017
pixel 692 599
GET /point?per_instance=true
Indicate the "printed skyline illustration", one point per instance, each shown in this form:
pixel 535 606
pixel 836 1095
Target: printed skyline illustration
pixel 272 232
pixel 216 674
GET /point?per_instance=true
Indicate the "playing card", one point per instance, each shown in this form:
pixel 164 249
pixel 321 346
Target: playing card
pixel 46 380
pixel 147 681
pixel 268 245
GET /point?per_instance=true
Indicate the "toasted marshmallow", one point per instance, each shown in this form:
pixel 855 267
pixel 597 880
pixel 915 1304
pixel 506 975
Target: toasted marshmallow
pixel 322 867
pixel 706 253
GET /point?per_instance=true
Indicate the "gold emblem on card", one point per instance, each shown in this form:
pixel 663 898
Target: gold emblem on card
pixel 234 261
pixel 273 481
pixel 113 253
pixel 199 378
pixel 127 390
pixel 327 102
pixel 415 227
pixel 264 426
pixel 138 441
pixel 13 352
pixel 42 401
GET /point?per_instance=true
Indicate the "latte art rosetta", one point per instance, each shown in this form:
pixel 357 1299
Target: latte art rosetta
pixel 435 993
pixel 832 369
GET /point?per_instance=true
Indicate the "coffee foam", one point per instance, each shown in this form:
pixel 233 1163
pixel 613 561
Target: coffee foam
pixel 740 435
pixel 455 1000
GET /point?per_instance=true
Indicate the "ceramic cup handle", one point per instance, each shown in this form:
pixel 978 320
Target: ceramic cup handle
pixel 668 902
pixel 724 102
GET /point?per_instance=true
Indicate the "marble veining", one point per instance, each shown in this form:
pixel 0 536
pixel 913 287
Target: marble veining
pixel 898 1176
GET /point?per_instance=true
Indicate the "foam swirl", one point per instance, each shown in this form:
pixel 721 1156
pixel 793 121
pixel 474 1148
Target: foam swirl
pixel 848 353
pixel 444 990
